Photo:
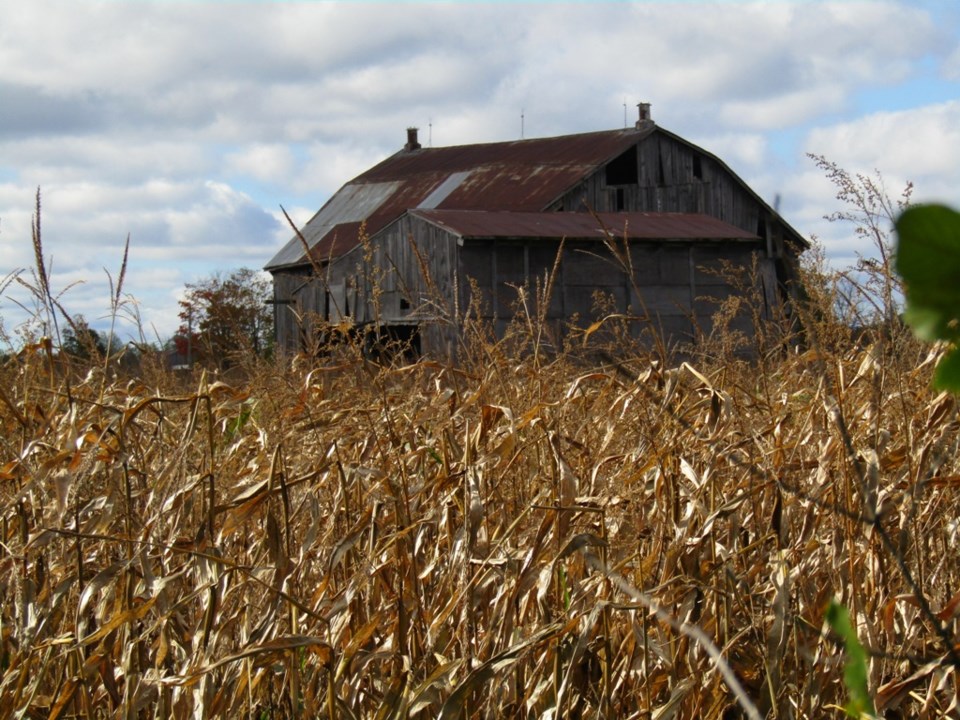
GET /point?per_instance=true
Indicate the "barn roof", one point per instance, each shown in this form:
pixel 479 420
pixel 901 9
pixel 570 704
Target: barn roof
pixel 478 224
pixel 523 175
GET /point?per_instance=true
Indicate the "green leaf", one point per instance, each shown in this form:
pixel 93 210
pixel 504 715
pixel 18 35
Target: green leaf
pixel 928 260
pixel 947 376
pixel 855 670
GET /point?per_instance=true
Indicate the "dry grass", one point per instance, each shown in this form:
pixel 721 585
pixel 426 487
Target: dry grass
pixel 530 534
pixel 525 536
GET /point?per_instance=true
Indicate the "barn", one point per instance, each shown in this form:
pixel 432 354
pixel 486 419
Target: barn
pixel 430 235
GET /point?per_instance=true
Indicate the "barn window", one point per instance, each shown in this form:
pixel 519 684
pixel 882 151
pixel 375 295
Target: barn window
pixel 622 170
pixel 697 167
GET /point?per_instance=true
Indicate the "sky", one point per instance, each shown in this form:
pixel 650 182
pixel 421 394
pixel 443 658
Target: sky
pixel 187 124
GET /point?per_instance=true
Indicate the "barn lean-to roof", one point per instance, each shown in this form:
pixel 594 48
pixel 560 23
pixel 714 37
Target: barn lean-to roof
pixel 523 176
pixel 483 224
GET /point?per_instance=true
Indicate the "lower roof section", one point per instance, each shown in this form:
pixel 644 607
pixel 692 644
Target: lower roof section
pixel 483 224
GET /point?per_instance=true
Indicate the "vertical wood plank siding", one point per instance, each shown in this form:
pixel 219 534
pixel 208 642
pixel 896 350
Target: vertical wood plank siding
pixel 667 183
pixel 675 285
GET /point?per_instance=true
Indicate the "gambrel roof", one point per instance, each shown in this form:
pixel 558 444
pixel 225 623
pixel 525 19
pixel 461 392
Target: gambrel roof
pixel 525 176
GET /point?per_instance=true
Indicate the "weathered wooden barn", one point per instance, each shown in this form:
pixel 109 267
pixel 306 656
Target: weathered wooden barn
pixel 430 234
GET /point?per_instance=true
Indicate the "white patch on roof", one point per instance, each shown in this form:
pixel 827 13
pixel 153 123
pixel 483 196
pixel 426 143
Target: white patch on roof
pixel 443 190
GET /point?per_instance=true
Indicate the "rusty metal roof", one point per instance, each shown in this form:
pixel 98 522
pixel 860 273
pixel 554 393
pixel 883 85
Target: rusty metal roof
pixel 584 150
pixel 476 224
pixel 522 176
pixel 519 176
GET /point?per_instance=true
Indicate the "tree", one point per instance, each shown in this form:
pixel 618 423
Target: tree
pixel 223 318
pixel 83 342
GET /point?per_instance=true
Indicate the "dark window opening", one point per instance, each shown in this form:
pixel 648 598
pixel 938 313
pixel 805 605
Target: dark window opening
pixel 620 200
pixel 697 167
pixel 761 227
pixel 660 174
pixel 404 304
pixel 622 170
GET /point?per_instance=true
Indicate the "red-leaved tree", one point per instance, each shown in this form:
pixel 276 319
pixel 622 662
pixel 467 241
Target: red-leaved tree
pixel 226 317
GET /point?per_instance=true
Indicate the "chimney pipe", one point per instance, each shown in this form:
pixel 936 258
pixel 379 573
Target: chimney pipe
pixel 646 119
pixel 412 143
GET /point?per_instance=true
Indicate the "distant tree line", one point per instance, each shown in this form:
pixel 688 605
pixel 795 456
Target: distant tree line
pixel 224 319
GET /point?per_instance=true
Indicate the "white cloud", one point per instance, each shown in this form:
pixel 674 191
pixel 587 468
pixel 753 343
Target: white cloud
pixel 270 162
pixel 741 151
pixel 110 158
pixel 919 145
pixel 786 109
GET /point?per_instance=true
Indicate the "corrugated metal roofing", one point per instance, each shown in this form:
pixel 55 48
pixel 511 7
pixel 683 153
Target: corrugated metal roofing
pixel 636 225
pixel 349 206
pixel 581 150
pixel 520 176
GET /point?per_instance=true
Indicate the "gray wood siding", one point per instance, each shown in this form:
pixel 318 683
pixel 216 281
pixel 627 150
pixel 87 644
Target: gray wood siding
pixel 414 263
pixel 294 297
pixel 674 285
pixel 383 281
pixel 672 177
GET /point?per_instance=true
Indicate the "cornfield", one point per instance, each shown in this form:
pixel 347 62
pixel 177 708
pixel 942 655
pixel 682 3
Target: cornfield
pixel 593 531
